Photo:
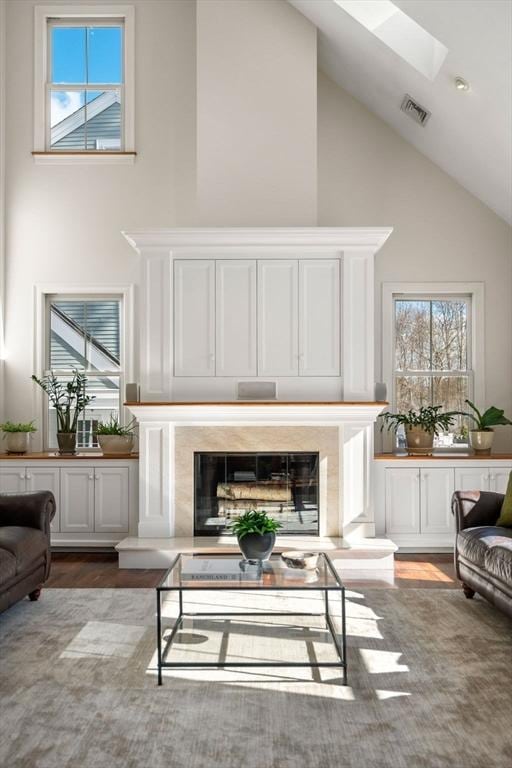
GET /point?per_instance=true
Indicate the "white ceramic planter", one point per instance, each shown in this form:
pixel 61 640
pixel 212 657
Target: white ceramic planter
pixel 17 442
pixel 481 441
pixel 115 445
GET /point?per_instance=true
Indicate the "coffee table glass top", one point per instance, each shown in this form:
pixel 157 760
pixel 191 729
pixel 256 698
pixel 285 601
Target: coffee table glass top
pixel 228 571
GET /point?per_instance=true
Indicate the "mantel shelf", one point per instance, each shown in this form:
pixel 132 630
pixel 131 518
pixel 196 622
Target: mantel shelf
pixel 264 403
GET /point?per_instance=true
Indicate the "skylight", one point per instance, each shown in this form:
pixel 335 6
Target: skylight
pixel 400 33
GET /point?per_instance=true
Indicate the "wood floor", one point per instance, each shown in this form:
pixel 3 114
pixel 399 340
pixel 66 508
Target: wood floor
pixel 101 570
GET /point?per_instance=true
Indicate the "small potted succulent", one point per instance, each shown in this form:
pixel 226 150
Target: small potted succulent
pixel 69 400
pixel 114 439
pixel 420 427
pixel 256 533
pixel 481 437
pixel 17 436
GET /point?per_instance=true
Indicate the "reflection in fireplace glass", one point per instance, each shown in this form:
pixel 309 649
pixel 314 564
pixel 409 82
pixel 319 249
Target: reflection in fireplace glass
pixel 285 485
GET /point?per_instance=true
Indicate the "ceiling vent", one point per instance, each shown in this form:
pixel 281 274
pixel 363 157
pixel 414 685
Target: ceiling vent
pixel 415 111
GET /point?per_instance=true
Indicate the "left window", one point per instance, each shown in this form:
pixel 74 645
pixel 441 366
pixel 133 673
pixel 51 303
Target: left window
pixel 84 334
pixel 84 93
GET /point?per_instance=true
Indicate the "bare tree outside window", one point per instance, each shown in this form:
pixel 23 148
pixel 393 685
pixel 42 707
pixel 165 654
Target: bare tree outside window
pixel 432 357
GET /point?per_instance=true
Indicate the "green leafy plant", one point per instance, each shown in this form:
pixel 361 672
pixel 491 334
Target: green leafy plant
pixel 253 521
pixel 430 418
pixel 10 426
pixel 68 398
pixel 114 427
pixel 492 417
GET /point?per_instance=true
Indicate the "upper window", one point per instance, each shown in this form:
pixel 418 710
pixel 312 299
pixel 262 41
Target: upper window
pixel 84 81
pixel 432 356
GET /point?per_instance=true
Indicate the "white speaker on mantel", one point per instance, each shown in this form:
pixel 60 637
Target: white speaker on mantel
pixel 381 392
pixel 132 393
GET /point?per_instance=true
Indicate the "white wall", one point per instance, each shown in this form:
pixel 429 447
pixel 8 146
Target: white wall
pixel 256 114
pixel 367 174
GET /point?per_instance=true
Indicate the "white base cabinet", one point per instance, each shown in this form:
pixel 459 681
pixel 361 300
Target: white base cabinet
pixel 413 496
pixel 97 499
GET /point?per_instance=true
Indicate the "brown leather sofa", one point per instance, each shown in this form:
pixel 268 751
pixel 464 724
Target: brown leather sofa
pixel 483 550
pixel 24 544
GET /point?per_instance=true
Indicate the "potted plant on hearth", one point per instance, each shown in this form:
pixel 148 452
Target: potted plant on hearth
pixel 17 436
pixel 481 438
pixel 69 400
pixel 420 426
pixel 114 439
pixel 256 533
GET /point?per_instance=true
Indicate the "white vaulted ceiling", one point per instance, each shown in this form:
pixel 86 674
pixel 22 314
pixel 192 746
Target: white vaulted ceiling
pixel 469 134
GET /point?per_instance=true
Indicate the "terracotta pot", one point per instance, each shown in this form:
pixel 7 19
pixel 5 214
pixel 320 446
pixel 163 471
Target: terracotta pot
pixel 66 442
pixel 17 442
pixel 419 442
pixel 115 445
pixel 481 441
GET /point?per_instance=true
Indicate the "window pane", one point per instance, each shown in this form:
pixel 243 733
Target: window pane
pixel 412 335
pixel 85 334
pixel 67 116
pixel 450 392
pixel 103 123
pixel 412 392
pixel 68 64
pixel 449 335
pixel 102 327
pixel 104 55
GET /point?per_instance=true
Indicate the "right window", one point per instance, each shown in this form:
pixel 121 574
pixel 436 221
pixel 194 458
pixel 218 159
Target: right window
pixel 432 356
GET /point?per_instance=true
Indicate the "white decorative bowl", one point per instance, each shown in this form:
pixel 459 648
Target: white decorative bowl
pixel 305 560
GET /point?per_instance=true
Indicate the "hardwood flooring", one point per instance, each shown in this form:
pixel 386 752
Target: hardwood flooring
pixel 88 569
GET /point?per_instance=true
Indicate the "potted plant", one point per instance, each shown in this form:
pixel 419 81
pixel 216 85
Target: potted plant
pixel 114 439
pixel 420 427
pixel 481 438
pixel 17 436
pixel 69 400
pixel 256 533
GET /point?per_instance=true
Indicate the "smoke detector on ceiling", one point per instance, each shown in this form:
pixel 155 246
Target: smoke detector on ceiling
pixel 414 110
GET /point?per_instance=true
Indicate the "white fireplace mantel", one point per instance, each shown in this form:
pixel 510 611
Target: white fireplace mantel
pixel 354 246
pixel 157 445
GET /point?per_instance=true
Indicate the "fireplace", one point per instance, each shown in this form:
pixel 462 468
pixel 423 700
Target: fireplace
pixel 285 485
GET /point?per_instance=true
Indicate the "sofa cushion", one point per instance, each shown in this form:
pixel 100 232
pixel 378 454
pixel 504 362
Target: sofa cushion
pixel 26 544
pixel 498 561
pixel 7 566
pixel 474 543
pixel 505 518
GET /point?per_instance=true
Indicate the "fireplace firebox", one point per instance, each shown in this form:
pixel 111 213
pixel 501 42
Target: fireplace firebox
pixel 285 485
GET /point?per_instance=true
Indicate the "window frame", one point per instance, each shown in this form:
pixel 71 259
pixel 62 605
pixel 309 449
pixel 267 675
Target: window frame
pixel 428 291
pixel 44 17
pixel 44 292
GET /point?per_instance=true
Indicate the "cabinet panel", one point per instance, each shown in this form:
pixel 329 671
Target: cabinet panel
pixel 319 317
pixel 437 486
pixel 472 479
pixel 278 318
pixel 77 500
pixel 194 318
pixel 498 479
pixel 12 480
pixel 235 318
pixel 111 506
pixel 402 500
pixel 46 479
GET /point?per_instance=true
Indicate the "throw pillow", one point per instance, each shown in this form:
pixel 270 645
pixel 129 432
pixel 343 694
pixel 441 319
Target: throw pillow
pixel 505 517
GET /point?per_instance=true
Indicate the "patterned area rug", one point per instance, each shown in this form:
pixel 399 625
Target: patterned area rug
pixel 430 685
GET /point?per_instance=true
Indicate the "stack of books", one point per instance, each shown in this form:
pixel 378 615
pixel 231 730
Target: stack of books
pixel 220 569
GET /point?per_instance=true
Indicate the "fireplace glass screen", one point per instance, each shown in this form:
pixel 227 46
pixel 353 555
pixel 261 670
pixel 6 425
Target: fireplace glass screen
pixel 285 485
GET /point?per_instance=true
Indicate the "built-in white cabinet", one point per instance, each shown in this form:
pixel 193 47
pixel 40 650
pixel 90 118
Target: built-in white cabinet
pixel 413 497
pixel 96 500
pixel 257 317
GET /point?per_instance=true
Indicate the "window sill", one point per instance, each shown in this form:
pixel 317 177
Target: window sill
pixel 84 158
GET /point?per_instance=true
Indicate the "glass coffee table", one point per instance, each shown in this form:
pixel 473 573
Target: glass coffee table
pixel 227 572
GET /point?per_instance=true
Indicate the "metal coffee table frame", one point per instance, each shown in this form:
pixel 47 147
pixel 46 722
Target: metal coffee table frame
pixel 164 644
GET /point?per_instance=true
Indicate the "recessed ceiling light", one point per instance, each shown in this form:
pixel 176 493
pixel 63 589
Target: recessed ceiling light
pixel 461 84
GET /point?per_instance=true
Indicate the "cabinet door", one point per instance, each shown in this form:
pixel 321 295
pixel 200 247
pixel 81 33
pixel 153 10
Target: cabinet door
pixel 235 318
pixel 472 479
pixel 111 511
pixel 194 318
pixel 402 500
pixel 12 480
pixel 319 317
pixel 76 499
pixel 278 318
pixel 46 479
pixel 498 479
pixel 437 486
